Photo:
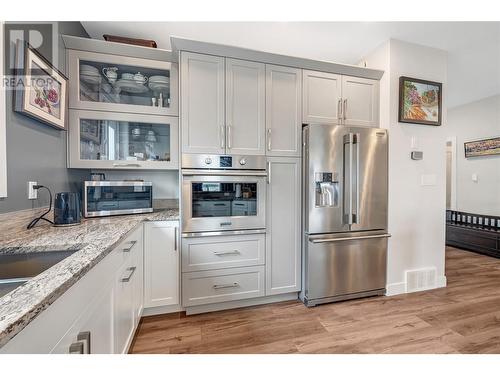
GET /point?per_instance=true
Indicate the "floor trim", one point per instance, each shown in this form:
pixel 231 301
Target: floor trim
pixel 159 310
pixel 242 303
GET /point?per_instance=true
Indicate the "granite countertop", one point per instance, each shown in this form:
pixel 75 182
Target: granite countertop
pixel 93 240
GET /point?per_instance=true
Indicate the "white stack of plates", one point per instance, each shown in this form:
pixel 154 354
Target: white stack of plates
pixel 159 83
pixel 131 86
pixel 90 74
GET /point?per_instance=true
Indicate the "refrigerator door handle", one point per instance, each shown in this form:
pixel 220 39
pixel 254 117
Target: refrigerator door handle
pixel 355 215
pixel 348 217
pixel 338 239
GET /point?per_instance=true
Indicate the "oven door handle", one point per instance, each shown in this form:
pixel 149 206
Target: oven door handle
pixel 196 172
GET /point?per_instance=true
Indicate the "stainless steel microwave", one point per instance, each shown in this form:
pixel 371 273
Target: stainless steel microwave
pixel 107 198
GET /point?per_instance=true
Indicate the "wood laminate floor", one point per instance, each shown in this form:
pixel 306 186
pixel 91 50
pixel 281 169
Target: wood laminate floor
pixel 464 317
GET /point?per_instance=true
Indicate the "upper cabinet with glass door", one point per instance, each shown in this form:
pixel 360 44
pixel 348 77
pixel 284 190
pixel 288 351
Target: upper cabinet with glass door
pixel 106 82
pixel 110 140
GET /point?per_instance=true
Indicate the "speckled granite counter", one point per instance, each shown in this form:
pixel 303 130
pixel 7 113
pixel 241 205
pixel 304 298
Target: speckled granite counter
pixel 93 239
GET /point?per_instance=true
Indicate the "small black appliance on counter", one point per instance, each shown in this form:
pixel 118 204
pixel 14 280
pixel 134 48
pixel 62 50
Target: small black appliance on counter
pixel 67 209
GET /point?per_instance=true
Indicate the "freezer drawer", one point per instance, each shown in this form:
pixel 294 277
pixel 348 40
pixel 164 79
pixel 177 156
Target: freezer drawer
pixel 339 266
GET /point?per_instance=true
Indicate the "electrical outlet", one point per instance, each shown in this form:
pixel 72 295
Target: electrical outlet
pixel 32 193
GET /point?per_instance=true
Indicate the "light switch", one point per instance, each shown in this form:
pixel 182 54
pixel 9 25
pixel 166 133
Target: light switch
pixel 428 180
pixel 474 178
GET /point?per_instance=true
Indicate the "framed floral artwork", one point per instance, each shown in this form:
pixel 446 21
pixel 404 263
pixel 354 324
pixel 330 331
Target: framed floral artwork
pixel 483 147
pixel 41 90
pixel 419 101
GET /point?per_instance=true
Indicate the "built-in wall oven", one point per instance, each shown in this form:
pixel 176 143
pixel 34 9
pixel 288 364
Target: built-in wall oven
pixel 223 193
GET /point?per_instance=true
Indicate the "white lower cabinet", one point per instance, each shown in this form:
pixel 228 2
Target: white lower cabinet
pixel 93 332
pixel 283 238
pixel 161 264
pixel 209 253
pixel 124 309
pixel 205 287
pixel 98 314
pixel 222 268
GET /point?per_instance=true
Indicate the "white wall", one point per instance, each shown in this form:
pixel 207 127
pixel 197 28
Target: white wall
pixel 3 118
pixel 477 120
pixel 416 212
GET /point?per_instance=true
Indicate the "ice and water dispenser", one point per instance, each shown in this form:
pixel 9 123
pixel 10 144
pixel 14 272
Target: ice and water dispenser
pixel 327 189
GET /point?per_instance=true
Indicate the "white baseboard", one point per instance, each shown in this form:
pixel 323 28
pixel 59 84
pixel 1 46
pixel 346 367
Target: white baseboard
pixel 242 303
pixel 400 288
pixel 148 311
pixel 395 289
pixel 441 282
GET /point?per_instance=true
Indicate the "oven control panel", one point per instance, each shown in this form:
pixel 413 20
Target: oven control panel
pixel 225 161
pixel 196 161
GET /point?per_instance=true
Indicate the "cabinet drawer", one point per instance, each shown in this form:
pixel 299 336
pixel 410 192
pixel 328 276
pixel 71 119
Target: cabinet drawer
pixel 130 245
pixel 200 288
pixel 208 253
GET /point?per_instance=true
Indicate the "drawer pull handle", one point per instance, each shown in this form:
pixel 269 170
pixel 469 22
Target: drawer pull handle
pixel 117 165
pixel 84 337
pixel 127 249
pixel 76 348
pixel 221 253
pixel 127 278
pixel 223 286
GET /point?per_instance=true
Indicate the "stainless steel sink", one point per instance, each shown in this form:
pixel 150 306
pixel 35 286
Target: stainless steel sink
pixel 17 269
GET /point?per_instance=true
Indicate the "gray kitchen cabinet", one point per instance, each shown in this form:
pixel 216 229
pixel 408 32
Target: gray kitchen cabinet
pixel 245 107
pixel 202 103
pixel 339 99
pixel 97 315
pixel 223 105
pixel 126 304
pixel 112 140
pixel 360 101
pixel 161 264
pixel 322 97
pixel 117 83
pixel 283 237
pixel 283 110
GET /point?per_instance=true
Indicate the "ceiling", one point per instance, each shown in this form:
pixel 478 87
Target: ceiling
pixel 473 47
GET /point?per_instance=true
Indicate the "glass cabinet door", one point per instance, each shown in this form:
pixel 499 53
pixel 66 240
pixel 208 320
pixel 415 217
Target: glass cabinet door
pixel 113 140
pixel 122 84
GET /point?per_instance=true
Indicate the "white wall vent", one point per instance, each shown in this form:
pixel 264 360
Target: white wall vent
pixel 421 279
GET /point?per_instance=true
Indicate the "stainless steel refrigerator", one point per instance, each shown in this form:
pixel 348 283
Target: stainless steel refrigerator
pixel 345 213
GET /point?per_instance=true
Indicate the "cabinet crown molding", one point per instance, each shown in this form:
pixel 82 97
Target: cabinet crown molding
pixel 190 45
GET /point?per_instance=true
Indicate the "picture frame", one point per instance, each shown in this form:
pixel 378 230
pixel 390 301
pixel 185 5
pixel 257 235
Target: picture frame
pixel 42 91
pixel 420 101
pixel 483 147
